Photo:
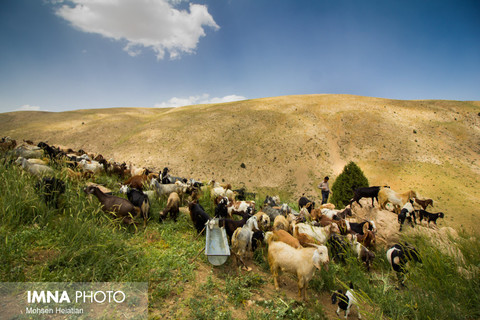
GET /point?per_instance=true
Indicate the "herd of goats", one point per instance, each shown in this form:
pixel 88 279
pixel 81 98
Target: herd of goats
pixel 298 242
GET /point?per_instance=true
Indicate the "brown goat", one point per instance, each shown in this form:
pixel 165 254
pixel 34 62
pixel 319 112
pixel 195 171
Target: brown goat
pixel 137 181
pixel 424 203
pixel 367 239
pixel 284 236
pixel 118 207
pixel 173 207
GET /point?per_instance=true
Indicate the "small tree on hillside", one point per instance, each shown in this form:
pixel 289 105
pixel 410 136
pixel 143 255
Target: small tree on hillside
pixel 352 177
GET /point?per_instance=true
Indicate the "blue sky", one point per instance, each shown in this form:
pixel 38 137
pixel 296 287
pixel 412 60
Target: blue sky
pixel 65 55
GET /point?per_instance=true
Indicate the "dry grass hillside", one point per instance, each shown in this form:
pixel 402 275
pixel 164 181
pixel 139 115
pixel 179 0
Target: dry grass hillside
pixel 288 143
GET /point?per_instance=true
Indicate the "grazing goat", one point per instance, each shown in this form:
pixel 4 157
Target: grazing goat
pixel 166 189
pixel 137 182
pixel 138 199
pixel 273 212
pixel 271 201
pixel 398 200
pixel 430 216
pixel 242 239
pixel 305 202
pixel 95 167
pixel 407 213
pixel 362 253
pixel 36 169
pixel 424 203
pixel 7 143
pixel 28 153
pixel 257 239
pixel 345 301
pixel 280 223
pixel 320 234
pixel 52 152
pixel 300 262
pixel 398 256
pixel 365 192
pixel 367 239
pixel 51 188
pixel 263 220
pixel 198 215
pixel 242 194
pixel 173 207
pixel 337 247
pixel 119 207
pixel 336 215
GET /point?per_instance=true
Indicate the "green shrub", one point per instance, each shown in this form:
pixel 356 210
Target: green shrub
pixel 352 177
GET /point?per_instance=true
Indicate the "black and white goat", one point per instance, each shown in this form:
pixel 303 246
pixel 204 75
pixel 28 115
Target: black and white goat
pixel 138 199
pixel 407 213
pixel 399 255
pixel 345 301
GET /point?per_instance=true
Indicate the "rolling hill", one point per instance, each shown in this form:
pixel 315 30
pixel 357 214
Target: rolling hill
pixel 288 144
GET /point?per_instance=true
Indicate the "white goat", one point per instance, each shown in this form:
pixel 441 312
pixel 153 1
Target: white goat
pixel 321 234
pixel 166 189
pixel 242 239
pixel 300 262
pixel 36 169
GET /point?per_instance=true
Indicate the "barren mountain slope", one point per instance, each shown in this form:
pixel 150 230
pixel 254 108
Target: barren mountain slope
pixel 288 143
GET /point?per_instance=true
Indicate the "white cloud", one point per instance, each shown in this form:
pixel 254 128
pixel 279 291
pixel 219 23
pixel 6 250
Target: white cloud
pixel 154 24
pixel 28 107
pixel 202 99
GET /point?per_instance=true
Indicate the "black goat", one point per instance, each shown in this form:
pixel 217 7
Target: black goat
pixel 198 215
pixel 430 216
pixel 358 227
pixel 365 192
pixel 257 239
pixel 52 152
pixel 337 247
pixel 51 188
pixel 305 202
pixel 231 225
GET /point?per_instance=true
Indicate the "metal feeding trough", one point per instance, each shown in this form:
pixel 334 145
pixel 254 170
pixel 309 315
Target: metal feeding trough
pixel 216 246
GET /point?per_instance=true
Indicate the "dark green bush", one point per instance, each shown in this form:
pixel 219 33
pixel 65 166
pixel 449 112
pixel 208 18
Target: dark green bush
pixel 352 177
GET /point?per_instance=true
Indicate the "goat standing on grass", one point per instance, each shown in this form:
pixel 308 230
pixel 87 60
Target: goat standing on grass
pixel 138 199
pixel 300 262
pixel 399 255
pixel 51 188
